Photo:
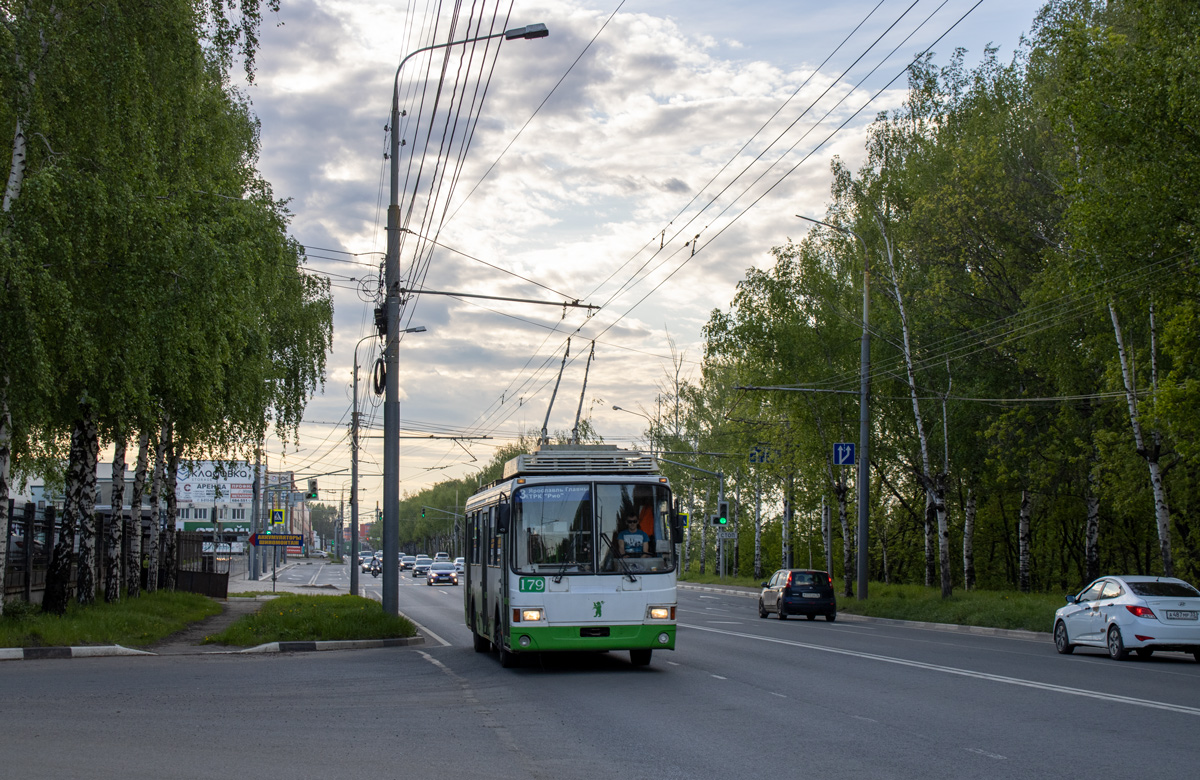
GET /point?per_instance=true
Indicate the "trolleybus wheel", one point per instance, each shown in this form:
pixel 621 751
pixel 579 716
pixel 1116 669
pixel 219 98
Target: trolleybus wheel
pixel 641 656
pixel 480 644
pixel 508 659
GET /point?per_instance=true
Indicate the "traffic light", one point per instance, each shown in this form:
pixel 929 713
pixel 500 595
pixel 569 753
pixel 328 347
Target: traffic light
pixel 722 515
pixel 312 490
pixel 422 511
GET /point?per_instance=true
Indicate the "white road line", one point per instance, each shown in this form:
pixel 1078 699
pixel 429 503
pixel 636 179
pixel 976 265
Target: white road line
pixel 726 622
pixel 719 677
pixel 429 633
pixel 780 695
pixel 672 663
pixel 996 756
pixel 1112 697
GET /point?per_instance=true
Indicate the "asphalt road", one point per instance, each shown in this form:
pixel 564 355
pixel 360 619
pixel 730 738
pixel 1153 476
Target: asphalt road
pixel 741 697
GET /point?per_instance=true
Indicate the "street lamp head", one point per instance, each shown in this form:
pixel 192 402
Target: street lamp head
pixel 528 32
pixel 417 329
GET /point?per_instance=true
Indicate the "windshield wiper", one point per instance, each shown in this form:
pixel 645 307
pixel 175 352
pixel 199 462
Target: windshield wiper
pixel 620 559
pixel 562 569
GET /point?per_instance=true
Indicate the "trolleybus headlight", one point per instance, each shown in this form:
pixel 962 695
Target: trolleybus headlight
pixel 663 638
pixel 523 641
pixel 661 613
pixel 531 615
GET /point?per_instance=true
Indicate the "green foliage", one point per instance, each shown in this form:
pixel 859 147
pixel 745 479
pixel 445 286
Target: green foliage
pixel 1008 207
pixel 133 622
pixel 314 618
pixel 145 263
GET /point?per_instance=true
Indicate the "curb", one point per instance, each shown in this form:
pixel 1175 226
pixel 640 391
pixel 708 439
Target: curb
pixel 1007 633
pixel 44 653
pixel 347 644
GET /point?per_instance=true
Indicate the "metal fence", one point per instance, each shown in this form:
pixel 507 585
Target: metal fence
pixel 203 562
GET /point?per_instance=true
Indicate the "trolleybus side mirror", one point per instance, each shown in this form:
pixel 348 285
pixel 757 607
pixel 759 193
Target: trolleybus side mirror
pixel 502 519
pixel 678 523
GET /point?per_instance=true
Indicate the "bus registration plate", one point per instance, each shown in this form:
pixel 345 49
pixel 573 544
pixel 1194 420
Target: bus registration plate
pixel 532 585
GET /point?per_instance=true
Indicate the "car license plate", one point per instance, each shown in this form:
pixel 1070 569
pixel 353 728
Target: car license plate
pixel 812 595
pixel 1177 614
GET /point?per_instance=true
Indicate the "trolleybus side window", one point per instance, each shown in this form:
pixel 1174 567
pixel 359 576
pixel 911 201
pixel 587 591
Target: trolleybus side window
pixel 552 529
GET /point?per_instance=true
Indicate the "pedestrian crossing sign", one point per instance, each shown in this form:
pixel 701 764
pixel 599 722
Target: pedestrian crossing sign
pixel 277 516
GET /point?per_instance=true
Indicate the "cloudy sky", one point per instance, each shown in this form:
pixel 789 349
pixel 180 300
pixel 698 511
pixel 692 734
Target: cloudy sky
pixel 633 125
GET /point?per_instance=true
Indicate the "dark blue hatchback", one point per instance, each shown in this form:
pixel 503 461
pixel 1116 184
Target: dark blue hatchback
pixel 798 592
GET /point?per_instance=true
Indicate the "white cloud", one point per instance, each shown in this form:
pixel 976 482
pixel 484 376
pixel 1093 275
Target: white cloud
pixel 665 97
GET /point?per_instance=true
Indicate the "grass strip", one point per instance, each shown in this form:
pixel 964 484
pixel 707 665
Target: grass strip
pixel 986 608
pixel 295 618
pixel 130 622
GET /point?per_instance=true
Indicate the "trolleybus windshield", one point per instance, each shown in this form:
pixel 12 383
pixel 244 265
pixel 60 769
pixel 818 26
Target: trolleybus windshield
pixel 585 528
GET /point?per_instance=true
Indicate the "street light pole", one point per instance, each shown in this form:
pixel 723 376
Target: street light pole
pixel 391 404
pixel 864 426
pixel 646 417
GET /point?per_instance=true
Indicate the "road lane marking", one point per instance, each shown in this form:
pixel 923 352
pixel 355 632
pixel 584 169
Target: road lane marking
pixel 726 622
pixel 780 695
pixel 1111 697
pixel 719 677
pixel 996 756
pixel 424 630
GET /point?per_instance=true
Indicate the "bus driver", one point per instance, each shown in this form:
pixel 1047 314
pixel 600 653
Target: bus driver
pixel 632 542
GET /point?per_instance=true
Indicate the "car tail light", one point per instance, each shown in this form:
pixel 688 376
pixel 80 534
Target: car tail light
pixel 1142 612
pixel 1141 638
pixel 789 582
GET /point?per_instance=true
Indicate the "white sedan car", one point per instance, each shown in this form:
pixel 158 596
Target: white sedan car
pixel 1120 614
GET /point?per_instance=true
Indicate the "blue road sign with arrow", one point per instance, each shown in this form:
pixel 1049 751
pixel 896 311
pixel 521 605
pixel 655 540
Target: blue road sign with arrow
pixel 843 454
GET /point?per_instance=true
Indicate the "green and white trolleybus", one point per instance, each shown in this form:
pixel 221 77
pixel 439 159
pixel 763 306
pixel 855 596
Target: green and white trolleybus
pixel 572 549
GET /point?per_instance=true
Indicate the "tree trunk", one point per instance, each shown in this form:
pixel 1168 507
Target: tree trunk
pixel 930 525
pixel 827 535
pixel 1091 554
pixel 969 542
pixel 1162 513
pixel 58 576
pixel 5 464
pixel 935 506
pixel 85 584
pixel 943 528
pixel 16 173
pixel 1023 539
pixel 133 564
pixel 849 573
pixel 116 525
pixel 156 481
pixel 757 532
pixel 171 558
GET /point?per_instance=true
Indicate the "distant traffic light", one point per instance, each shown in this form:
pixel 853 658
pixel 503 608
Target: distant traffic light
pixel 312 490
pixel 722 515
pixel 422 511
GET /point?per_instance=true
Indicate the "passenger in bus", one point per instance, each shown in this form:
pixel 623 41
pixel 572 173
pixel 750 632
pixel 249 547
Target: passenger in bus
pixel 633 542
pixel 643 501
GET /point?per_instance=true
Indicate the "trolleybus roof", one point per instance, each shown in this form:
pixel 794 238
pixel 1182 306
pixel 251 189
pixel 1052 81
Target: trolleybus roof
pixel 580 459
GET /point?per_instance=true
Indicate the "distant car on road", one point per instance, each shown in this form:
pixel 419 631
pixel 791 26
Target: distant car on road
pixel 441 556
pixel 441 571
pixel 460 564
pixel 798 592
pixel 421 567
pixel 407 561
pixel 1123 613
